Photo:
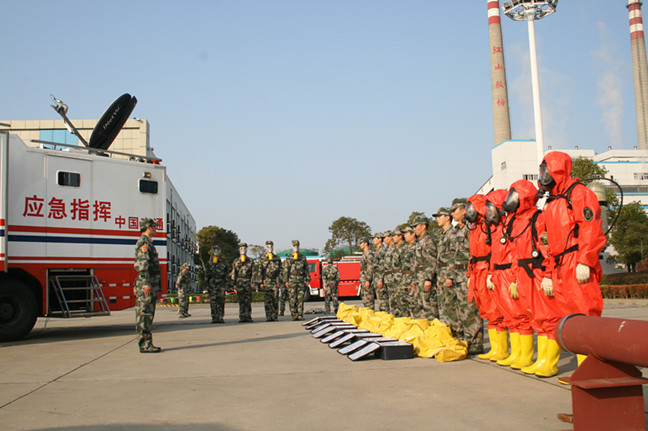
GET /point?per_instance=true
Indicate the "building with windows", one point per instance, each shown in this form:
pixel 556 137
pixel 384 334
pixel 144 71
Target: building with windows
pixel 516 159
pixel 133 140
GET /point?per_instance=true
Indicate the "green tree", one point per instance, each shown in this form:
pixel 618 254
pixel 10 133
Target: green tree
pixel 346 231
pixel 209 236
pixel 630 236
pixel 255 250
pixel 582 167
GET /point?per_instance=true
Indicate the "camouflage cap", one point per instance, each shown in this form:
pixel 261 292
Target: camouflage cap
pixel 458 202
pixel 146 222
pixel 364 240
pixel 269 243
pixel 443 211
pixel 397 232
pixel 407 229
pixel 295 242
pixel 420 219
pixel 243 244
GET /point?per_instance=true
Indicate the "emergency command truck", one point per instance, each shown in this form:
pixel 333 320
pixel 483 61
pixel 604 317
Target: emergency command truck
pixel 69 221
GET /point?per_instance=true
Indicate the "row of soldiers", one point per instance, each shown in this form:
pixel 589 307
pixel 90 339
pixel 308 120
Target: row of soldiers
pixel 279 281
pixel 410 274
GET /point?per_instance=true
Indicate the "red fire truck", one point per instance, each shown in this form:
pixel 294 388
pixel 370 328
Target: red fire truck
pixel 349 268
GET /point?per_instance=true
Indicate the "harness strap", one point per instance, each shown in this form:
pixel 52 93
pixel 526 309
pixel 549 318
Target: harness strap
pixel 532 262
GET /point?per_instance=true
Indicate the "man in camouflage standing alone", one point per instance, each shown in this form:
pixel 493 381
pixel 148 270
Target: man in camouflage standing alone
pixel 147 285
pixel 426 261
pixel 366 275
pixel 268 276
pixel 242 269
pixel 331 278
pixel 296 275
pixel 183 285
pixel 216 277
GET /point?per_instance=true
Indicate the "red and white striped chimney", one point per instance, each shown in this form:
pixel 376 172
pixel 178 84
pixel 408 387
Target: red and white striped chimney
pixel 639 71
pixel 501 118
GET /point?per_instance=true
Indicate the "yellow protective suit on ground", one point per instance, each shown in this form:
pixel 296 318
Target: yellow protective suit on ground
pixel 431 339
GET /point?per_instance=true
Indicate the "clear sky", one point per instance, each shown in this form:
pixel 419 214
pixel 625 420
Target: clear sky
pixel 276 117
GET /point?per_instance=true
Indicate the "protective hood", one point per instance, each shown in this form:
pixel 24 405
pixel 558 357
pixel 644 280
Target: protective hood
pixel 497 197
pixel 559 166
pixel 528 195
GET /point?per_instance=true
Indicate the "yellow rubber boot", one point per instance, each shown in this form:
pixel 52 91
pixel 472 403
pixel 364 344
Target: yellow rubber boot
pixel 493 345
pixel 515 350
pixel 526 352
pixel 542 349
pixel 548 366
pixel 502 346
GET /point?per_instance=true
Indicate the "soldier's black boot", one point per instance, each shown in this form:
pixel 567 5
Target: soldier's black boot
pixel 150 349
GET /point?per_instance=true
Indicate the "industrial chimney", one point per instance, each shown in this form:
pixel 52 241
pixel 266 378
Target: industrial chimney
pixel 639 71
pixel 501 119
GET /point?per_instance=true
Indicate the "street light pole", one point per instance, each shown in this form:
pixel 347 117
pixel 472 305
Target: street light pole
pixel 535 85
pixel 529 11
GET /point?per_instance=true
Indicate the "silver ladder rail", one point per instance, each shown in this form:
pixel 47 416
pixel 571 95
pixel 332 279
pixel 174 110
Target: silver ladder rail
pixel 75 303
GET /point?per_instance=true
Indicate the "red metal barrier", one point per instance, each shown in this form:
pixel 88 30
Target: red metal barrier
pixel 607 389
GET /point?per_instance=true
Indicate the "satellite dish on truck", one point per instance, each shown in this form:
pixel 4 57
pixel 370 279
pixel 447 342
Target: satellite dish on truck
pixel 111 122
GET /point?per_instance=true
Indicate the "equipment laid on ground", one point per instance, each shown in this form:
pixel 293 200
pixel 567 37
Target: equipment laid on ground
pixel 357 343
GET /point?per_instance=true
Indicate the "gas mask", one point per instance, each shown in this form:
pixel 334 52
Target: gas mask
pixel 269 248
pixel 243 250
pixel 216 252
pixel 471 213
pixel 295 249
pixel 512 202
pixel 492 215
pixel 545 180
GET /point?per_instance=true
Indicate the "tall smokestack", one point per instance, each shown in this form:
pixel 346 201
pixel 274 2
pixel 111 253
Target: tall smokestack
pixel 501 119
pixel 639 71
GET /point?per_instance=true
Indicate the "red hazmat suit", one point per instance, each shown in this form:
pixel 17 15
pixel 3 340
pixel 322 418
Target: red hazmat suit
pixel 501 272
pixel 479 266
pixel 575 236
pixel 526 228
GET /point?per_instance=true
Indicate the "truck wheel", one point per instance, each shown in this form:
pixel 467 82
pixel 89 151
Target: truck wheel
pixel 17 310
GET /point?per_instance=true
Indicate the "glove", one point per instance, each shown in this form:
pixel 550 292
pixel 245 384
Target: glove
pixel 547 286
pixel 582 273
pixel 513 290
pixel 489 283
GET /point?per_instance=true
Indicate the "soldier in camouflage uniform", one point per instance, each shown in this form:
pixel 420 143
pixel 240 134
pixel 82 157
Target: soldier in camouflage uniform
pixel 397 272
pixel 387 265
pixel 467 312
pixel 331 279
pixel 147 285
pixel 379 272
pixel 268 276
pixel 408 291
pixel 183 286
pixel 366 275
pixel 426 257
pixel 242 270
pixel 283 297
pixel 296 274
pixel 216 277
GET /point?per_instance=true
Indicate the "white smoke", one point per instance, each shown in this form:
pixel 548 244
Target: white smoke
pixel 609 86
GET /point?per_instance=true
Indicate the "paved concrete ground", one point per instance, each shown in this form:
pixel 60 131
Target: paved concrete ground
pixel 88 375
